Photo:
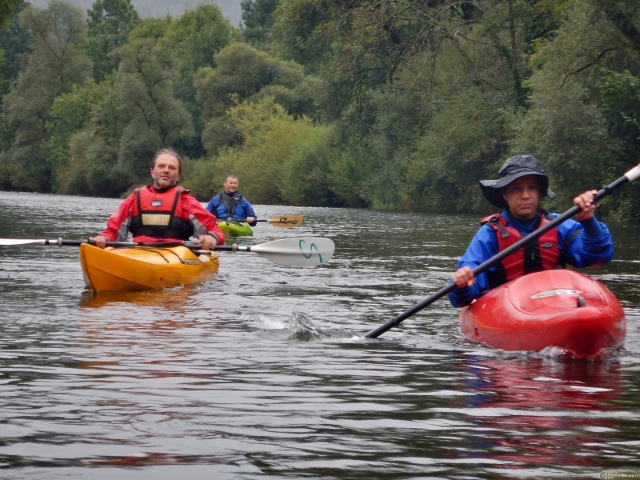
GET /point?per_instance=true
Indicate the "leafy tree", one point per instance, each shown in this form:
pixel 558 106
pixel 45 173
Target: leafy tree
pixel 54 66
pixel 385 58
pixel 14 47
pixel 109 23
pixel 70 113
pixel 154 117
pixel 195 38
pixel 282 159
pixel 93 166
pixel 150 28
pixel 199 35
pixel 258 17
pixel 245 73
pixel 91 169
pixel 7 9
pixel 584 101
pixel 302 32
pixel 462 144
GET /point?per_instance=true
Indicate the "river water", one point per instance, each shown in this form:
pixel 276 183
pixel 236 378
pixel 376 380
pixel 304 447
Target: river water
pixel 264 371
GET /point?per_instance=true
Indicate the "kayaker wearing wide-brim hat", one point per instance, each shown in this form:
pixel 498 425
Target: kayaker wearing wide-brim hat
pixel 521 184
pixel 512 169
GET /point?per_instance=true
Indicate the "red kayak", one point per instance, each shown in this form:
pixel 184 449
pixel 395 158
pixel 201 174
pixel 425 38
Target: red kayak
pixel 554 308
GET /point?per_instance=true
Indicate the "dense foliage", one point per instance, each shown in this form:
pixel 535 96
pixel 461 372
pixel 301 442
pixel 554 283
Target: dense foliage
pixel 387 105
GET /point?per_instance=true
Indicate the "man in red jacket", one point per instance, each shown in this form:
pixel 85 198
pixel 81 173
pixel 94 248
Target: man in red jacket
pixel 163 211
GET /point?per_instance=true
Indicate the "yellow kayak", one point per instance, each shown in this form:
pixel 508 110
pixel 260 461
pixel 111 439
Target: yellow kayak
pixel 144 267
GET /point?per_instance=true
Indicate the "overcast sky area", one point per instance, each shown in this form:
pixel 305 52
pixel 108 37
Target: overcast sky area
pixel 161 8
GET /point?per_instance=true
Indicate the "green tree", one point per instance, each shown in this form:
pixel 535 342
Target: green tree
pixel 70 113
pixel 93 166
pixel 150 28
pixel 258 17
pixel 282 159
pixel 383 59
pixel 109 23
pixel 584 102
pixel 54 66
pixel 195 38
pixel 245 73
pixel 7 9
pixel 14 48
pixel 154 117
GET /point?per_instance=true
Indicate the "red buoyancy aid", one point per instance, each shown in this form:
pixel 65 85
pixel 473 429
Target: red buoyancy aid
pixel 542 253
pixel 159 214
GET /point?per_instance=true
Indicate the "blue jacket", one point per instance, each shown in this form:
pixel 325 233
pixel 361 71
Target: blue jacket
pixel 236 207
pixel 593 247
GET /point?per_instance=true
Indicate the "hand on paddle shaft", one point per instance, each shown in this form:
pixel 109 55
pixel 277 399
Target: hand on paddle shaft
pixel 584 205
pixel 464 277
pixel 586 202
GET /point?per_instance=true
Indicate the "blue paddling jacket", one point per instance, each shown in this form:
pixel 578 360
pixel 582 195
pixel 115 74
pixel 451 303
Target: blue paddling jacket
pixel 235 206
pixel 586 244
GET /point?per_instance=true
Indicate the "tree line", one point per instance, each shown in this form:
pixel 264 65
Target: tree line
pixel 393 104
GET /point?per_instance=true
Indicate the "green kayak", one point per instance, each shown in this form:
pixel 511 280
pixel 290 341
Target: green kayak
pixel 235 228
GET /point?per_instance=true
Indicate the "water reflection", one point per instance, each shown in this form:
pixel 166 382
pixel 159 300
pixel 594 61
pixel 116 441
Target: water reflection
pixel 173 299
pixel 531 411
pixel 263 372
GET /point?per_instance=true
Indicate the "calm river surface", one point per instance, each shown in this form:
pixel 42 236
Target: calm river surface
pixel 264 372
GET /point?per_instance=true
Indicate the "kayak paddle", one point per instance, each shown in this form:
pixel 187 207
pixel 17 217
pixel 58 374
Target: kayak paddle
pixel 295 251
pixel 284 221
pixel 629 177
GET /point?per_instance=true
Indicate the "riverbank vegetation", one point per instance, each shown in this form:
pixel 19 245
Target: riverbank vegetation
pixel 398 105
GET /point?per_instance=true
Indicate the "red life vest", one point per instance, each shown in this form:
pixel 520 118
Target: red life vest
pixel 542 253
pixel 159 214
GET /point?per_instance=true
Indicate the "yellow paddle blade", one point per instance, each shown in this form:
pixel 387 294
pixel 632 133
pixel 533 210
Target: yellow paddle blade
pixel 285 221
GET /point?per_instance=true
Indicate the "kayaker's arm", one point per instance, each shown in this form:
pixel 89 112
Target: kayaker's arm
pixel 117 224
pixel 250 214
pixel 464 294
pixel 592 247
pixel 212 206
pixel 204 223
pixel 482 247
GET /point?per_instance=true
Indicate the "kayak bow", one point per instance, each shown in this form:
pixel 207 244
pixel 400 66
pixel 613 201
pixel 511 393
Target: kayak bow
pixel 553 308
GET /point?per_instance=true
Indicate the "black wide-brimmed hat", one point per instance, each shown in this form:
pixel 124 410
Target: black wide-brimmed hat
pixel 512 169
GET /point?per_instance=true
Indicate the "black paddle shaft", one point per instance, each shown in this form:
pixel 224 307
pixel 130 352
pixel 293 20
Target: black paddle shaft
pixel 76 243
pixel 606 190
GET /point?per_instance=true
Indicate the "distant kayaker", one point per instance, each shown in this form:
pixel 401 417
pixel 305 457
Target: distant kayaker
pixel 162 211
pixel 583 242
pixel 231 203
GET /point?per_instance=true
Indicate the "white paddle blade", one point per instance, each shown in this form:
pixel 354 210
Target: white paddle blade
pixel 633 174
pixel 297 252
pixel 286 221
pixel 9 242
